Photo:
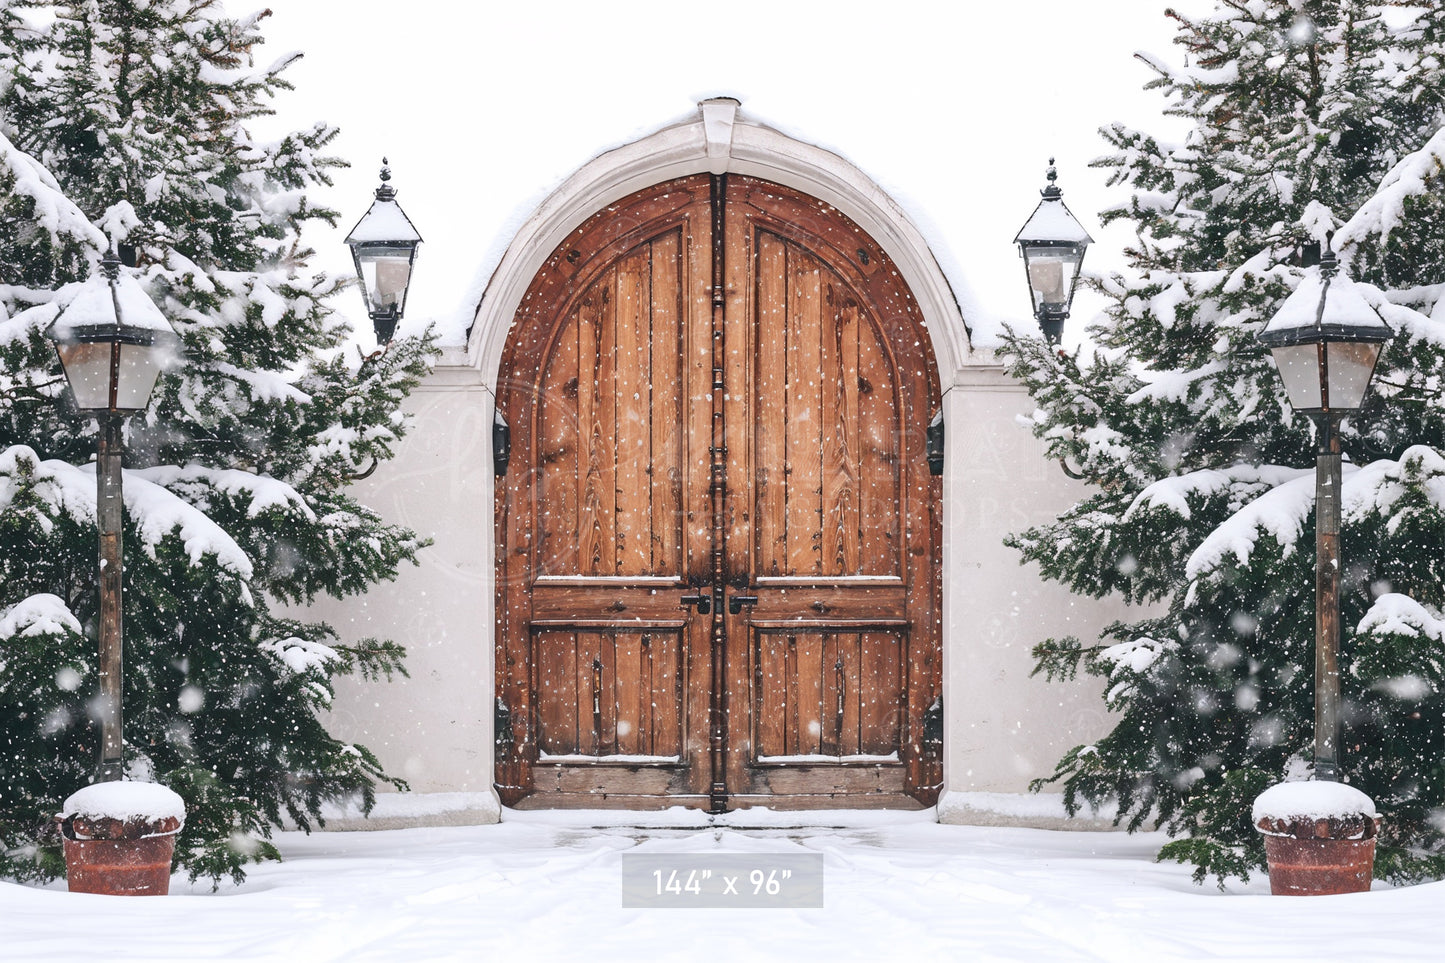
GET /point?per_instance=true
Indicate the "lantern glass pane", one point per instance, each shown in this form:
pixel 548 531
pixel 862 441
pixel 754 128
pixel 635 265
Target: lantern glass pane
pixel 1299 369
pixel 386 273
pixel 1351 364
pixel 1051 276
pixel 87 368
pixel 140 365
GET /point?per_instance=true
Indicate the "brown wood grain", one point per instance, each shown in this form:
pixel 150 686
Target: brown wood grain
pixel 557 457
pixel 802 417
pixel 633 413
pixel 771 389
pixel 828 516
pixel 665 346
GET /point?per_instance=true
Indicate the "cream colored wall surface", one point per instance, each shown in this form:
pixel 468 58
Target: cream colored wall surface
pixel 1004 728
pixel 433 729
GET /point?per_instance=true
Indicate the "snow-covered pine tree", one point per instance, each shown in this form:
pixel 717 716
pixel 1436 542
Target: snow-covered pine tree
pixel 1308 116
pixel 128 122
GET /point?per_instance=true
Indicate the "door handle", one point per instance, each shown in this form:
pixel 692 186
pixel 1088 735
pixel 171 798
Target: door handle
pixel 703 602
pixel 736 603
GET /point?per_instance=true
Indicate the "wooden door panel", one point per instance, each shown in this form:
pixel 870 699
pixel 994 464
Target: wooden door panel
pixel 602 693
pixel 828 694
pixel 834 440
pixel 799 421
pixel 611 471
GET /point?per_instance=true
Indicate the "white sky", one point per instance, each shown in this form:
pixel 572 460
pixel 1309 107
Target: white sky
pixel 954 109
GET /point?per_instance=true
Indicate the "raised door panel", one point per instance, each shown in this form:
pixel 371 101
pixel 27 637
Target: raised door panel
pixel 610 474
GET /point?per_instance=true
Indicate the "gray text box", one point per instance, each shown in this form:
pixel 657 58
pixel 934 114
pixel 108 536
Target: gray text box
pixel 722 880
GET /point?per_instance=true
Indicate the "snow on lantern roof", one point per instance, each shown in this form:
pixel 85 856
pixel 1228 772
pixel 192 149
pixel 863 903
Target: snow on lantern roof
pixel 1326 306
pixel 110 300
pixel 384 221
pixel 1052 221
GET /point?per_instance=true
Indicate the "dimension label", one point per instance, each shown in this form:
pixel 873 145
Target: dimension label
pixel 722 880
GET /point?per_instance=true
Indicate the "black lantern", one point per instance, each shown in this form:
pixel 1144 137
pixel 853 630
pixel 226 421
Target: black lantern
pixel 1052 243
pixel 383 246
pixel 1325 339
pixel 113 343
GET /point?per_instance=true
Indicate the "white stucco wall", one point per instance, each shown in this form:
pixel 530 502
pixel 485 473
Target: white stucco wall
pixel 1003 727
pixel 433 729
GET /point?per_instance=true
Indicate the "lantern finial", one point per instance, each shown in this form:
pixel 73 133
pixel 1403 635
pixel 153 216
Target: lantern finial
pixel 1329 263
pixel 385 192
pixel 1052 191
pixel 110 264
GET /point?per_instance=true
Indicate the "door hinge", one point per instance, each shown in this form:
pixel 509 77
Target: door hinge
pixel 933 727
pixel 935 444
pixel 501 443
pixel 502 735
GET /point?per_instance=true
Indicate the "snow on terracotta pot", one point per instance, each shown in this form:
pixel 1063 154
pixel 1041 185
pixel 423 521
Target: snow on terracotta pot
pixel 1319 838
pixel 119 838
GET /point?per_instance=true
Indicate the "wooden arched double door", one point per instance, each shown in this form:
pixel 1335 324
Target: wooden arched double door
pixel 718 542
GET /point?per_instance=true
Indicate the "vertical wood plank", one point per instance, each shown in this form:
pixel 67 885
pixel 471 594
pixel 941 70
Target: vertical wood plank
pixel 772 697
pixel 665 694
pixel 665 364
pixel 604 425
pixel 840 427
pixel 804 427
pixel 770 405
pixel 607 681
pixel 857 692
pixel 588 738
pixel 881 517
pixel 880 665
pixel 834 688
pixel 590 512
pixel 632 409
pixel 556 655
pixel 628 688
pixel 557 509
pixel 810 692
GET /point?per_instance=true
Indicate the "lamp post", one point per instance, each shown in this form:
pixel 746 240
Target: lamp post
pixel 383 246
pixel 1052 243
pixel 1325 340
pixel 113 343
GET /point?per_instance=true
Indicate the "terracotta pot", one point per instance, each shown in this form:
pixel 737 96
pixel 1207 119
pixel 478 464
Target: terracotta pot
pixel 119 857
pixel 120 867
pixel 1319 867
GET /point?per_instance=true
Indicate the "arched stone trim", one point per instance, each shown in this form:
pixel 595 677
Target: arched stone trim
pixel 719 140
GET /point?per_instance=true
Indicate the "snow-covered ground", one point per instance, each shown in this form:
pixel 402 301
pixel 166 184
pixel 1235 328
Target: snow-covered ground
pixel 548 887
